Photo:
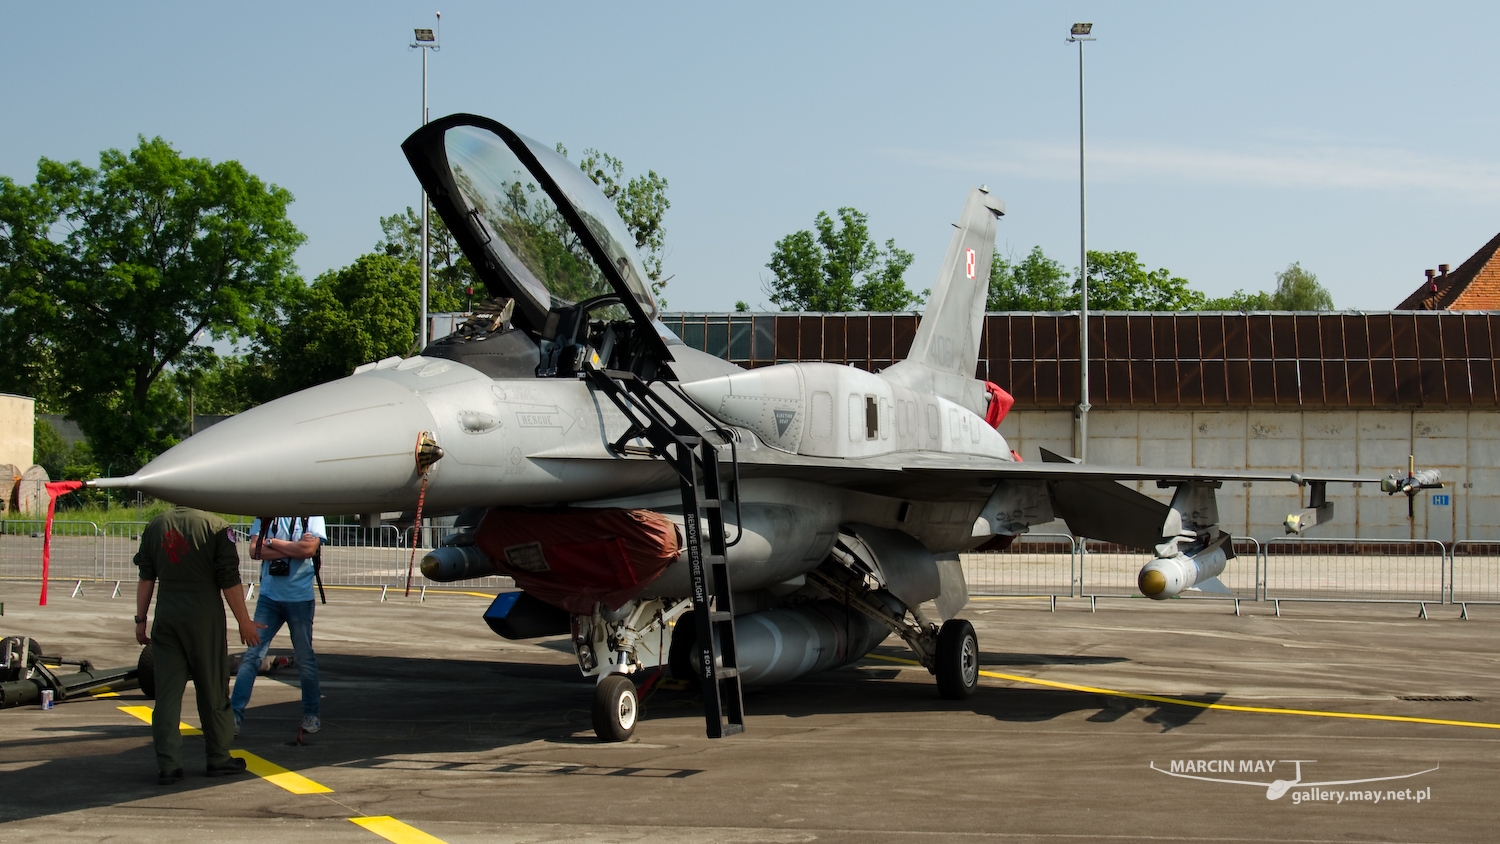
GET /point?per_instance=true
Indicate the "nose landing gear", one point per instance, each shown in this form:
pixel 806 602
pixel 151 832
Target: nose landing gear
pixel 616 708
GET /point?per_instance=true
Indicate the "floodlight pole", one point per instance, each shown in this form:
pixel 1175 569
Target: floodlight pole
pixel 1081 416
pixel 425 46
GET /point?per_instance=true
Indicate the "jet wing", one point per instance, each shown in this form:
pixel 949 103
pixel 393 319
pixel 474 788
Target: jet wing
pixel 955 477
pixel 936 476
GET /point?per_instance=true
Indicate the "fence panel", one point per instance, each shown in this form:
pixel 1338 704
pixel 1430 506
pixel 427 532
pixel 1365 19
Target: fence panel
pixel 76 550
pixel 1355 570
pixel 1110 571
pixel 1036 564
pixel 355 556
pixel 1474 573
pixel 118 547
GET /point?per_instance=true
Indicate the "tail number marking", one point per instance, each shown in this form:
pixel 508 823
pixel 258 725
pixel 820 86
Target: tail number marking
pixel 969 263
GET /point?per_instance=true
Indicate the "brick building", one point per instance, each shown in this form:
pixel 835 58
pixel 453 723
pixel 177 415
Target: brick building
pixel 1474 286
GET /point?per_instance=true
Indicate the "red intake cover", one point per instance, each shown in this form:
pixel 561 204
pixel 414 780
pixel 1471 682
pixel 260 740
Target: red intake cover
pixel 575 558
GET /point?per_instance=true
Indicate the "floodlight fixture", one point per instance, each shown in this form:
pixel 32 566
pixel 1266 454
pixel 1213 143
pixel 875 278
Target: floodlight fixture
pixel 428 38
pixel 1082 28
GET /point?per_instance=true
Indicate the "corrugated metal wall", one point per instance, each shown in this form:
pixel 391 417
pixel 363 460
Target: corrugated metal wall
pixel 1408 359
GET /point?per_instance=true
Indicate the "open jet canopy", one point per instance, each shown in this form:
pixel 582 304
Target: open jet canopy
pixel 535 227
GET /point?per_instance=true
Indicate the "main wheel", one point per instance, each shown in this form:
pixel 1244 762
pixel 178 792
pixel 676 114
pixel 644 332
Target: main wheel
pixel 957 659
pixel 616 708
pixel 10 649
pixel 145 672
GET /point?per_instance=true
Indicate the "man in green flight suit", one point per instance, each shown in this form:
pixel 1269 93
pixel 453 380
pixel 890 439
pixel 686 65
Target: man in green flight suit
pixel 192 554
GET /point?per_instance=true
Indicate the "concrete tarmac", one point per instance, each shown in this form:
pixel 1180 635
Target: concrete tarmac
pixel 433 726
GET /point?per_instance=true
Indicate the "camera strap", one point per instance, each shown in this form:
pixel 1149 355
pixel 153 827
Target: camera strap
pixel 271 523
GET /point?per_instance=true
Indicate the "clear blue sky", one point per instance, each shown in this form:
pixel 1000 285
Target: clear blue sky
pixel 1226 141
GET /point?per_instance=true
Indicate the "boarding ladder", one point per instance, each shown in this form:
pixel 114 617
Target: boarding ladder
pixel 696 460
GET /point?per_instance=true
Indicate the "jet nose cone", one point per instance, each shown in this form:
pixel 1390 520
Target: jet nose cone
pixel 1152 583
pixel 348 446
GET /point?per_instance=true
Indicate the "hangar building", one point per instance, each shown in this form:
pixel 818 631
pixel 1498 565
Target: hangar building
pixel 1342 391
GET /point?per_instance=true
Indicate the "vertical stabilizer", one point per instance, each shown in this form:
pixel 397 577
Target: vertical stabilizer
pixel 945 352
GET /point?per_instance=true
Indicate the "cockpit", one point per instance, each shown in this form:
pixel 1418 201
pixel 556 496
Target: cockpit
pixel 547 244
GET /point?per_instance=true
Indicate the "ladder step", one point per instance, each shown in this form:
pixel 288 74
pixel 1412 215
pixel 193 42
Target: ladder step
pixel 710 503
pixel 690 442
pixel 726 673
pixel 713 559
pixel 720 616
pixel 733 728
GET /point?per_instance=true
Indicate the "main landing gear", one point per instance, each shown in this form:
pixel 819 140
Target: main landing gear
pixel 957 659
pixel 616 708
pixel 951 652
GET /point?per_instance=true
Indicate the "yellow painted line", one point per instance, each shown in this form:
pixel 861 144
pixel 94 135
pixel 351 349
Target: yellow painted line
pixel 1223 707
pixel 393 830
pixel 279 776
pixel 106 694
pixel 144 713
pixel 430 592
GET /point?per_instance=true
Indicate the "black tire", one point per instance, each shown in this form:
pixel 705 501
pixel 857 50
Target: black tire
pixel 957 659
pixel 145 671
pixel 616 708
pixel 13 644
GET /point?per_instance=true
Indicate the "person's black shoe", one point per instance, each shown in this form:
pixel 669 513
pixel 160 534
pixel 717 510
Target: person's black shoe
pixel 169 777
pixel 235 765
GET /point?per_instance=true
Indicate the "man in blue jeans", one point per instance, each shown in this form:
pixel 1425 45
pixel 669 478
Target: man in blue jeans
pixel 286 597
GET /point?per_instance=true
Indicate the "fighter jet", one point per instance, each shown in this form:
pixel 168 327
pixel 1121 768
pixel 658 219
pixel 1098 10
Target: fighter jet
pixel 668 509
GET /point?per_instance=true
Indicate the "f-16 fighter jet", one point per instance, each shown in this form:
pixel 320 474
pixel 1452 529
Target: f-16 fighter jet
pixel 662 506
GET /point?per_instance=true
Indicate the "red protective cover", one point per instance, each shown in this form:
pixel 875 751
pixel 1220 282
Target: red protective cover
pixel 574 558
pixel 1000 404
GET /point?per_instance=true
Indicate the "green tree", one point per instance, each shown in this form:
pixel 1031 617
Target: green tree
pixel 27 251
pixel 47 448
pixel 118 271
pixel 360 313
pixel 1035 283
pixel 74 462
pixel 450 274
pixel 1296 290
pixel 839 268
pixel 222 385
pixel 1119 282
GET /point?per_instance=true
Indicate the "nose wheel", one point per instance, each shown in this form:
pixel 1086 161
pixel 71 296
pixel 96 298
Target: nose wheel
pixel 957 659
pixel 616 708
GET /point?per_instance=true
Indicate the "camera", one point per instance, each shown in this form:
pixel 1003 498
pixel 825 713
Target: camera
pixel 279 568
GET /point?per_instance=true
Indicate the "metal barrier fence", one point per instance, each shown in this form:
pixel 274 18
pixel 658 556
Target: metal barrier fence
pixel 1474 573
pixel 1355 570
pixel 82 551
pixel 1035 565
pixel 75 550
